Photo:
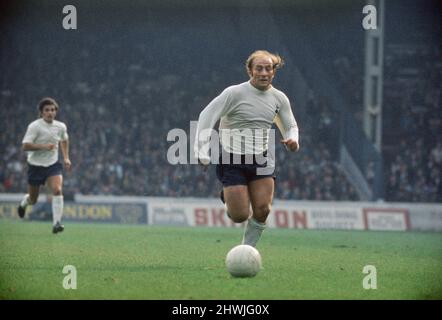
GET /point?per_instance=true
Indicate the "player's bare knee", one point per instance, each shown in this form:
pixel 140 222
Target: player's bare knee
pixel 57 192
pixel 239 217
pixel 261 212
pixel 263 208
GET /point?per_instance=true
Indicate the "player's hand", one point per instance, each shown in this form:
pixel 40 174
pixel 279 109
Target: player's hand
pixel 291 144
pixel 67 164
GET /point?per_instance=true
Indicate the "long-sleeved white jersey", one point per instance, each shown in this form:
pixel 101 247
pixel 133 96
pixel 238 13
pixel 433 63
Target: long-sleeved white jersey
pixel 247 115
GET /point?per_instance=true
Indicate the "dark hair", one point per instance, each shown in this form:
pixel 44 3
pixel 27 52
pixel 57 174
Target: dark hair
pixel 47 101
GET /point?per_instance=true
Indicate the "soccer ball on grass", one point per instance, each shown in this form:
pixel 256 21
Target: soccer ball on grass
pixel 243 261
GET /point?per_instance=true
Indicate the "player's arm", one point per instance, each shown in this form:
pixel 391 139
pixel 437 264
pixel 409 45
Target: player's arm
pixel 287 125
pixel 28 141
pixel 38 146
pixel 64 146
pixel 206 121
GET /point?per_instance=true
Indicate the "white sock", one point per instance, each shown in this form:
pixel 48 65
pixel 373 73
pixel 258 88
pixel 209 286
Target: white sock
pixel 253 232
pixel 57 208
pixel 24 203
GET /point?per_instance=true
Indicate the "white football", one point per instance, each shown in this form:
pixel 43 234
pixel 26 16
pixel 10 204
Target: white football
pixel 243 261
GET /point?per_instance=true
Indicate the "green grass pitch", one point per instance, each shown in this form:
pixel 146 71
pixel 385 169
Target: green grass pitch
pixel 166 263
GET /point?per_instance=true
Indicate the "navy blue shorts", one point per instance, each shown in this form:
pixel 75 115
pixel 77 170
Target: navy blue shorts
pixel 231 174
pixel 37 175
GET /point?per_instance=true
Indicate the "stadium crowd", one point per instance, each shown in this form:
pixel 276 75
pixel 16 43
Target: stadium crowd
pixel 120 94
pixel 413 148
pixel 412 100
pixel 119 109
pixel 411 119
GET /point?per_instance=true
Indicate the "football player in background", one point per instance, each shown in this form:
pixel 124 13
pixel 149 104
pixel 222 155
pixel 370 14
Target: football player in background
pixel 41 141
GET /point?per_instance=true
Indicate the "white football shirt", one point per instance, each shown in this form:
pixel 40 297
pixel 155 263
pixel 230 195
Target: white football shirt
pixel 41 132
pixel 247 114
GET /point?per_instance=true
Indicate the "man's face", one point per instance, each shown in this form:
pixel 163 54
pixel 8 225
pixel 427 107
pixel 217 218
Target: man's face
pixel 48 113
pixel 262 72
